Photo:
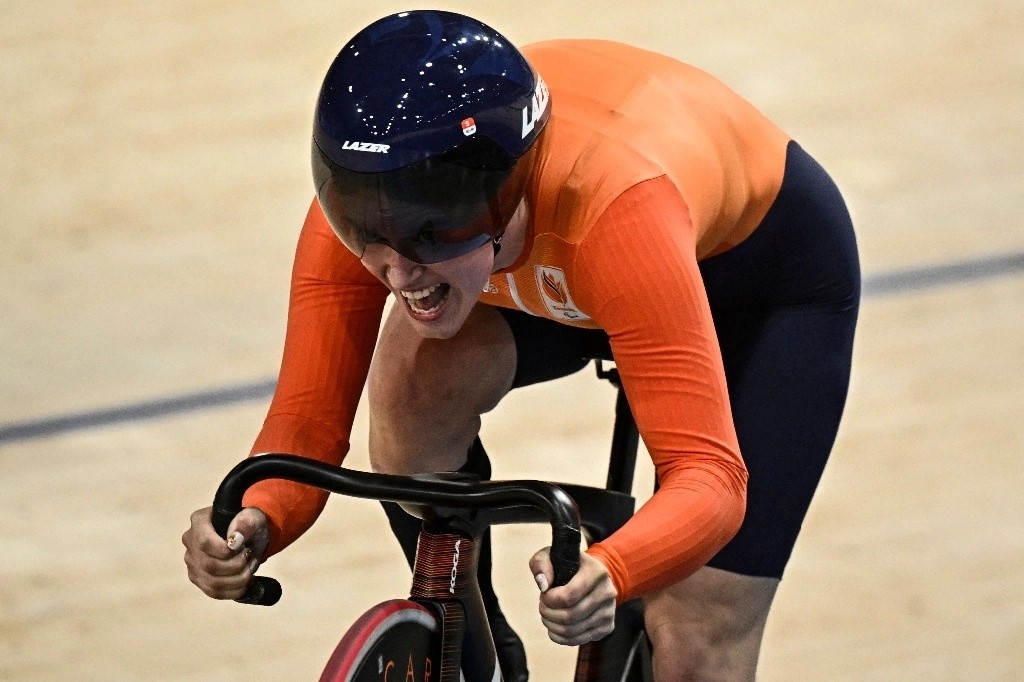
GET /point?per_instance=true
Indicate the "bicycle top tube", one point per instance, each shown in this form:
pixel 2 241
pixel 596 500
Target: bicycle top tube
pixel 498 501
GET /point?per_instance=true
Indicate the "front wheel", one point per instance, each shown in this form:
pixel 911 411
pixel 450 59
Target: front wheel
pixel 394 640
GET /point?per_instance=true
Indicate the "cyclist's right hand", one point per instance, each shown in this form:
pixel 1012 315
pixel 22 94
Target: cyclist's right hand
pixel 222 569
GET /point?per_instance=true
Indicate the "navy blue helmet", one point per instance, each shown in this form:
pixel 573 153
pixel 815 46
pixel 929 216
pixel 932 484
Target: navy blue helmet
pixel 424 135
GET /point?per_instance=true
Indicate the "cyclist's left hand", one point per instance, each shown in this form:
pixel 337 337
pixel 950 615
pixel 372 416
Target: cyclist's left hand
pixel 581 611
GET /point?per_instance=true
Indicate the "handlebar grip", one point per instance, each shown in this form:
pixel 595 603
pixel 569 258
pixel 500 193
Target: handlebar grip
pixel 262 591
pixel 565 555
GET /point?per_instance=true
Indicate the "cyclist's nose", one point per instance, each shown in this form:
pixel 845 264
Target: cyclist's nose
pixel 399 270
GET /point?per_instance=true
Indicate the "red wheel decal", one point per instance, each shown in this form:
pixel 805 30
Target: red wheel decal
pixel 367 630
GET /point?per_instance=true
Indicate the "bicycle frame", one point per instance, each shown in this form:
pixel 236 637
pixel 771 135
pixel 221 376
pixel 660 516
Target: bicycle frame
pixel 457 509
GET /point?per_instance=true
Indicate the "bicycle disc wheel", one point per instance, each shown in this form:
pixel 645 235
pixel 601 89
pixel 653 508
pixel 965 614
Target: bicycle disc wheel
pixel 387 642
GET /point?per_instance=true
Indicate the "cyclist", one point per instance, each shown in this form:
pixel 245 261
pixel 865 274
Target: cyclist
pixel 529 210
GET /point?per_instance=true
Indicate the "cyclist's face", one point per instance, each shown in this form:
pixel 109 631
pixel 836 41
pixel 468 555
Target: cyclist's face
pixel 437 297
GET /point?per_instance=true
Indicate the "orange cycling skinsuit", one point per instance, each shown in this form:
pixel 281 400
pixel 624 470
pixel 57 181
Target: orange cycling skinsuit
pixel 674 223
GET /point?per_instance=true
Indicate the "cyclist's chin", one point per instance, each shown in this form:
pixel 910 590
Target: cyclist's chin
pixel 436 331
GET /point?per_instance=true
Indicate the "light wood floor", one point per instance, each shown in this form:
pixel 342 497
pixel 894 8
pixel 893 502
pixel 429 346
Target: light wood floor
pixel 154 172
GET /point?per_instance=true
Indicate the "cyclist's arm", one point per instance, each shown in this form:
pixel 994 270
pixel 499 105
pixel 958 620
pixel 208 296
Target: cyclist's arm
pixel 637 276
pixel 334 314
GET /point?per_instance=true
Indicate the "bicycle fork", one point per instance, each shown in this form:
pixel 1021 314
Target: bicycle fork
pixel 444 579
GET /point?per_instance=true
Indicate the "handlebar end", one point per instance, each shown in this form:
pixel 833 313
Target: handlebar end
pixel 263 591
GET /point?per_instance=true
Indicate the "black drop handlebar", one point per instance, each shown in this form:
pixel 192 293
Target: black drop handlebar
pixel 497 501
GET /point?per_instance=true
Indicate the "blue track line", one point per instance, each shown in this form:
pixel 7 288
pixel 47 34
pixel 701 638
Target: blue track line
pixel 886 284
pixel 914 279
pixel 151 409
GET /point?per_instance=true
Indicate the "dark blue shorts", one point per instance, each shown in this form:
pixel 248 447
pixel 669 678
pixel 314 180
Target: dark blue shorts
pixel 785 306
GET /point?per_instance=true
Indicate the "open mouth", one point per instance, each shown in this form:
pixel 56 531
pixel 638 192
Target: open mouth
pixel 425 303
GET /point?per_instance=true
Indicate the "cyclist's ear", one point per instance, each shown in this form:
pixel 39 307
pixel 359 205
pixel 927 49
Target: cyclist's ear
pixel 543 571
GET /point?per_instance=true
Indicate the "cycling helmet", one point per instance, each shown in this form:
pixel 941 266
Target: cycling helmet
pixel 424 135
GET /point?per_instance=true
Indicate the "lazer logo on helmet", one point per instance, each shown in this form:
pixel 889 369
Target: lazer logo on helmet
pixel 366 147
pixel 535 109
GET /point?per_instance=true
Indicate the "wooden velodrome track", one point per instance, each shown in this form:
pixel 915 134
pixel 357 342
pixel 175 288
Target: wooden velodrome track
pixel 154 172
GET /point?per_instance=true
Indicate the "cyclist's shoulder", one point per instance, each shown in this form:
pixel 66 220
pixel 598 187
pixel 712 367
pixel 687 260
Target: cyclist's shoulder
pixel 589 58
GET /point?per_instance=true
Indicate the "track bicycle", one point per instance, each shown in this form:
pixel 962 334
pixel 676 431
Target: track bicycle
pixel 440 633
